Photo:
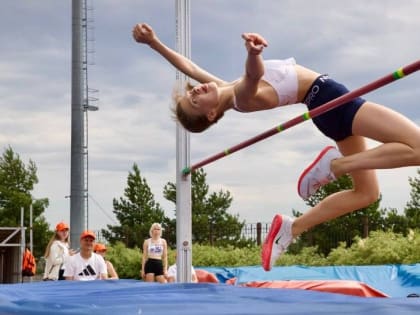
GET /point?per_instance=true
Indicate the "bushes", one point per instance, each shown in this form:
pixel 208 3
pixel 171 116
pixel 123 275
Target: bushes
pixel 207 256
pixel 378 249
pixel 126 261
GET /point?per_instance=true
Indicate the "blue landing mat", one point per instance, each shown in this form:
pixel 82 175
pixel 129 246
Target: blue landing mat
pixel 136 297
pixel 394 280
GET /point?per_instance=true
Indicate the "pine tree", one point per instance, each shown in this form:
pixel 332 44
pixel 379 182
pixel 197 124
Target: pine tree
pixel 17 182
pixel 136 212
pixel 412 209
pixel 211 222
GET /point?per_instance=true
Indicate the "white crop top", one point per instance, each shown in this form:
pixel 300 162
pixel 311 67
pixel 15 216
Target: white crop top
pixel 282 76
pixel 155 249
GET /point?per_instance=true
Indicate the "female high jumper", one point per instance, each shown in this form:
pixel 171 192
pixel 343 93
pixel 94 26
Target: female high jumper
pixel 272 83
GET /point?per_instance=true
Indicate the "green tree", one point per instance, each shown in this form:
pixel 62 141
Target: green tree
pixel 412 209
pixel 17 182
pixel 211 223
pixel 136 212
pixel 330 234
pixel 394 222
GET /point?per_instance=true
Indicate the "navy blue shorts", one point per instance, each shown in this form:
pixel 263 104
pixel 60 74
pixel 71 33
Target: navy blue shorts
pixel 336 123
pixel 153 266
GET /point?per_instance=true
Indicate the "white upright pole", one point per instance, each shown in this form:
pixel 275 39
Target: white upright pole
pixel 183 183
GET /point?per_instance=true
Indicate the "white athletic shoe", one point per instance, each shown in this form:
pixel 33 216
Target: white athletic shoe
pixel 318 173
pixel 278 239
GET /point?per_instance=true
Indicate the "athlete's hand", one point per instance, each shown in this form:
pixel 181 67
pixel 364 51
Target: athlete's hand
pixel 254 43
pixel 143 33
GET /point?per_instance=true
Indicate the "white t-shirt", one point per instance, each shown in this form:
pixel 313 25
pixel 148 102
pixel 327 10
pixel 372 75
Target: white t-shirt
pixel 85 269
pixel 172 271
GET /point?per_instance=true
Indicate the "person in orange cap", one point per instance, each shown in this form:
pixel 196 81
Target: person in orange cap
pixel 86 265
pixel 101 250
pixel 57 252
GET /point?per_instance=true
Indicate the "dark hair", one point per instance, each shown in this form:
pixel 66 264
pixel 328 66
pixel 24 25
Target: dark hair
pixel 192 123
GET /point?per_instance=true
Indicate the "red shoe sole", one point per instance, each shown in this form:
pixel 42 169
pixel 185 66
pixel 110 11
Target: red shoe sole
pixel 306 171
pixel 268 243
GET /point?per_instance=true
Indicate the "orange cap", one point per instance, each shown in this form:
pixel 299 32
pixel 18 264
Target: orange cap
pixel 61 226
pixel 99 247
pixel 87 233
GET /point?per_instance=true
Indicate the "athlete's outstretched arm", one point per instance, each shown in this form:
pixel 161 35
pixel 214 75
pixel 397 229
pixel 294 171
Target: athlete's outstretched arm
pixel 143 33
pixel 247 87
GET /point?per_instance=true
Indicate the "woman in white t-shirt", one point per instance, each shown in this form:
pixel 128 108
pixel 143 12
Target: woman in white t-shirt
pixel 56 252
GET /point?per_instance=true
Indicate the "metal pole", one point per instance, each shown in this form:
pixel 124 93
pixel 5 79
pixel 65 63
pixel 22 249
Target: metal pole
pixel 77 200
pixel 400 73
pixel 31 232
pixel 183 184
pixel 22 242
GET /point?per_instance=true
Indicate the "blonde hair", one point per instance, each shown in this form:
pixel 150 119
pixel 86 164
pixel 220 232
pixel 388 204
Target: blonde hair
pixel 55 237
pixel 155 226
pixel 197 123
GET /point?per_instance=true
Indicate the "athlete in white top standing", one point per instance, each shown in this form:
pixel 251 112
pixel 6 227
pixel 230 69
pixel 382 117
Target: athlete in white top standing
pixel 154 264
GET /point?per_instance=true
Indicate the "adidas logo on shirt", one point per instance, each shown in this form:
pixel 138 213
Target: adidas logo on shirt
pixel 88 271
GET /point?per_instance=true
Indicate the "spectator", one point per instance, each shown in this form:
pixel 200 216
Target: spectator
pixel 101 250
pixel 86 265
pixel 172 271
pixel 56 253
pixel 155 256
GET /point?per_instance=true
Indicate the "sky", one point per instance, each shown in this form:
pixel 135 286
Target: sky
pixel 355 42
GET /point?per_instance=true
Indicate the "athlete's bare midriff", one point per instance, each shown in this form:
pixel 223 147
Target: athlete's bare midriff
pixel 305 79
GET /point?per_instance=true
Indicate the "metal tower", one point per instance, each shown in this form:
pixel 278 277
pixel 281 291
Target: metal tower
pixel 80 105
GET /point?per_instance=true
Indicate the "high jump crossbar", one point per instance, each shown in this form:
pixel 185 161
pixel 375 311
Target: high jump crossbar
pixel 398 74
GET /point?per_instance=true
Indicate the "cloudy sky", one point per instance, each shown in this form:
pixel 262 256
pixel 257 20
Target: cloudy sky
pixel 355 42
